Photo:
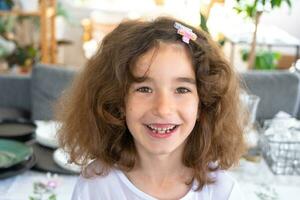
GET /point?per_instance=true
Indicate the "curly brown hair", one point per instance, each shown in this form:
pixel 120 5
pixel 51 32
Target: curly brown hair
pixel 94 126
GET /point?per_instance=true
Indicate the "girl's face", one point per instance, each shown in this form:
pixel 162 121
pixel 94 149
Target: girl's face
pixel 161 112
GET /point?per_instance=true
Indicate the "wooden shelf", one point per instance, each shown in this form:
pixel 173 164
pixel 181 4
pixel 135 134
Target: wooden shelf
pixel 46 14
pixel 19 13
pixel 48 37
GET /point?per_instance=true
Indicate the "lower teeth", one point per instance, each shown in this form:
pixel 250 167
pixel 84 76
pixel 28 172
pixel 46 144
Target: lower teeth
pixel 162 132
pixel 158 132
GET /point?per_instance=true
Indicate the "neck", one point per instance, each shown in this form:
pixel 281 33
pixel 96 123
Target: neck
pixel 161 168
pixel 162 176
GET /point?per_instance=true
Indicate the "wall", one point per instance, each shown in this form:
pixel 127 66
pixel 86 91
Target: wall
pixel 285 18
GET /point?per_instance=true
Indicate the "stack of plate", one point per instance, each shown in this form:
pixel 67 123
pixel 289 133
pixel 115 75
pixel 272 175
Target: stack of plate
pixel 61 158
pixel 17 129
pixel 15 158
pixel 46 132
pixel 49 157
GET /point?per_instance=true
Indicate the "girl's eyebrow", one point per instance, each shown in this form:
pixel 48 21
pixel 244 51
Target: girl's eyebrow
pixel 186 80
pixel 178 79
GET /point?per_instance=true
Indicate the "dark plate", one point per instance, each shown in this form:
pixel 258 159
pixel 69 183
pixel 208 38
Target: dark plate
pixel 18 169
pixel 45 160
pixel 18 129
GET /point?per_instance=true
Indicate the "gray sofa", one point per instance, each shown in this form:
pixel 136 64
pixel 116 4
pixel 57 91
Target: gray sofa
pixel 278 91
pixel 33 96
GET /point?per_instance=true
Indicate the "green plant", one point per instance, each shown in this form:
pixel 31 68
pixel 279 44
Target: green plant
pixel 9 2
pixel 44 191
pixel 203 26
pixel 6 27
pixel 203 23
pixel 6 47
pixel 266 192
pixel 253 9
pixel 7 24
pixel 63 12
pixel 264 60
pixel 23 56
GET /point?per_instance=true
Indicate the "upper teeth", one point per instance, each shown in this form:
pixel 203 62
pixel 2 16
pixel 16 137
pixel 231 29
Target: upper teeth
pixel 161 130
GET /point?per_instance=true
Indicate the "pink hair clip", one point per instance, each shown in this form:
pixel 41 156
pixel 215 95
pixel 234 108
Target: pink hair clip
pixel 187 34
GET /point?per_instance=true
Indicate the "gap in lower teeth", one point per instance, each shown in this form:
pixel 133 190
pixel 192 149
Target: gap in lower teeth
pixel 158 132
pixel 167 131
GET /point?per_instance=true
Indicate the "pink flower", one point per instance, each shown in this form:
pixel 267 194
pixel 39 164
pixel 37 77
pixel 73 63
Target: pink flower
pixel 52 184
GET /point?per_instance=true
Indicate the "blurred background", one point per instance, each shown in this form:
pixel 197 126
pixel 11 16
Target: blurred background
pixel 43 44
pixel 67 32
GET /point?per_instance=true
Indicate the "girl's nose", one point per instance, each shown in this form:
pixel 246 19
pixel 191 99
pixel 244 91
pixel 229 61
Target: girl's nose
pixel 163 104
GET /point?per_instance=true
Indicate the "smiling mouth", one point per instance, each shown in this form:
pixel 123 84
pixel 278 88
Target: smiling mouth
pixel 160 130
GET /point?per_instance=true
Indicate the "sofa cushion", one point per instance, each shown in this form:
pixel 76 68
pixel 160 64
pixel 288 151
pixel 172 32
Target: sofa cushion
pixel 15 91
pixel 47 84
pixel 278 91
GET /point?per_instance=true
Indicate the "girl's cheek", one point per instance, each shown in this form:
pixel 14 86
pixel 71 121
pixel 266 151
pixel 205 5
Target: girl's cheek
pixel 137 99
pixel 190 105
pixel 188 100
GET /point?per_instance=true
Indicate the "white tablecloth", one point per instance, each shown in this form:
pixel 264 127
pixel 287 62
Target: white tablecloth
pixel 255 179
pixel 21 186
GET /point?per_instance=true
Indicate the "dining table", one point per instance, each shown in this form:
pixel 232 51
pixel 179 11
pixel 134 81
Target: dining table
pixel 22 186
pixel 255 179
pixel 258 182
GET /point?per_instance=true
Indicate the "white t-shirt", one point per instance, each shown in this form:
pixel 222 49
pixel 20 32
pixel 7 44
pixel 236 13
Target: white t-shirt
pixel 116 186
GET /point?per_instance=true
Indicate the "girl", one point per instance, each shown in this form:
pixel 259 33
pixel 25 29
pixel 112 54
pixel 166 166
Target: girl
pixel 157 112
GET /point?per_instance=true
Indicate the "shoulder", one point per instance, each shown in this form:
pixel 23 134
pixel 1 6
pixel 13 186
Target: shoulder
pixel 225 187
pixel 85 187
pixel 105 184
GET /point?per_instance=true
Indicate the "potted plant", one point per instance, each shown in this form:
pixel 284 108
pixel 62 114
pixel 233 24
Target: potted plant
pixel 264 59
pixel 254 9
pixel 24 57
pixel 6 45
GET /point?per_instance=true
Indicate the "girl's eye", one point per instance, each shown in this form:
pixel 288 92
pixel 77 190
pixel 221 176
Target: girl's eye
pixel 182 90
pixel 144 90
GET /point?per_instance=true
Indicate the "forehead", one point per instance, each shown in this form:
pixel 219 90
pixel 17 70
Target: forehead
pixel 164 56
